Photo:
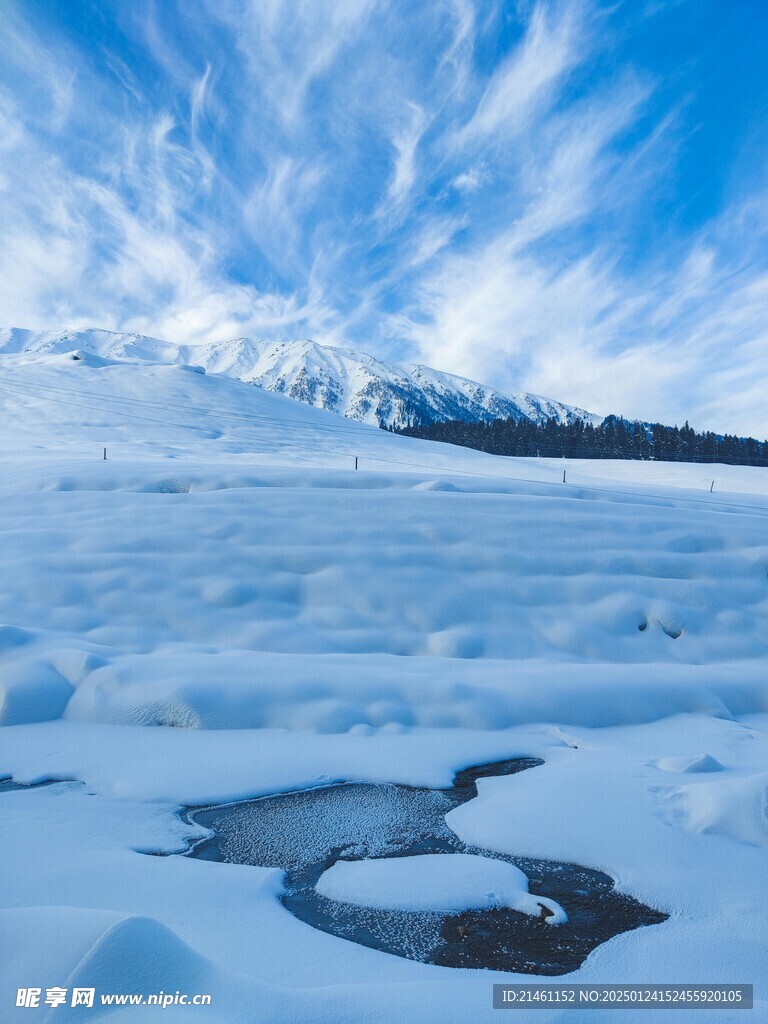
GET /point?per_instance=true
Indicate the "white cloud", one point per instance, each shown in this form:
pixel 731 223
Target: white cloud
pixel 289 44
pixel 274 210
pixel 668 345
pixel 458 55
pixel 470 180
pixel 434 237
pixel 525 83
pixel 405 140
pixel 76 253
pixel 671 340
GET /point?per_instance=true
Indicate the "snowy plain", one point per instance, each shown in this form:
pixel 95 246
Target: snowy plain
pixel 226 608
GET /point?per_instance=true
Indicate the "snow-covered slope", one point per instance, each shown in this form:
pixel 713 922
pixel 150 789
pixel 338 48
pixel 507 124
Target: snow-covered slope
pixel 283 619
pixel 265 540
pixel 340 380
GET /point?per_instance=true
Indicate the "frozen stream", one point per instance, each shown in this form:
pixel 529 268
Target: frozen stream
pixel 306 832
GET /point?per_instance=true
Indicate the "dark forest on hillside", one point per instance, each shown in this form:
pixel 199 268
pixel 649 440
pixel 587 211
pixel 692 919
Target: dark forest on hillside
pixel 614 438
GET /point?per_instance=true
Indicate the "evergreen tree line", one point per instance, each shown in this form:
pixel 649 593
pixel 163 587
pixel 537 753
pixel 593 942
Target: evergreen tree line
pixel 614 438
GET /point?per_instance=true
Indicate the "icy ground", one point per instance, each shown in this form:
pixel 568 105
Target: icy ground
pixel 227 571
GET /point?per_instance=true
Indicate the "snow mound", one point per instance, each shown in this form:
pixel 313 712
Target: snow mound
pixel 112 952
pixel 436 882
pixel 737 808
pixel 32 690
pixel 689 765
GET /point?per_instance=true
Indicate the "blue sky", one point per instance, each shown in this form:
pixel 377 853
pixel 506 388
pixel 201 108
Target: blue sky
pixel 569 198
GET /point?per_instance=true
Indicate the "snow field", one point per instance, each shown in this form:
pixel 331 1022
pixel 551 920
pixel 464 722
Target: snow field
pixel 226 572
pixel 248 579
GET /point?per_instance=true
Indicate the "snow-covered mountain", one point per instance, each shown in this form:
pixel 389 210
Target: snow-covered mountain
pixel 344 381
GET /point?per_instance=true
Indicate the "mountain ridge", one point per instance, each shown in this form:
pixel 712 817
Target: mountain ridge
pixel 345 381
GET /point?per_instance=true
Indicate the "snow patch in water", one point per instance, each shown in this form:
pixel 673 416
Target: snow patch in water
pixel 447 883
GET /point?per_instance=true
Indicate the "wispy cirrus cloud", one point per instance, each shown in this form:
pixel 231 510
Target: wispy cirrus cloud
pixel 525 82
pixel 505 191
pixel 405 140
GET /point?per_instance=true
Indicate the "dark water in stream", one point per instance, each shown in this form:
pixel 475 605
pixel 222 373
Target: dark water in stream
pixel 306 832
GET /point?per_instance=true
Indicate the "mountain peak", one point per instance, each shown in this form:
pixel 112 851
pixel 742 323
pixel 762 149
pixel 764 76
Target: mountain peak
pixel 341 380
